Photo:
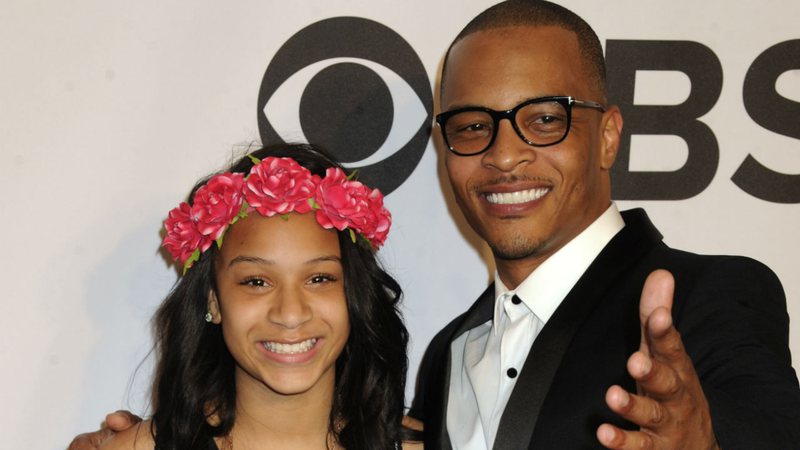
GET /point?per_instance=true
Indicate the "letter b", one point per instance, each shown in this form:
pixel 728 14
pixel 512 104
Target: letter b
pixel 701 65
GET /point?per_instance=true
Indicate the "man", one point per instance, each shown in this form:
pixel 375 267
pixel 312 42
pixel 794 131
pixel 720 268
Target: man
pixel 529 365
pixel 542 359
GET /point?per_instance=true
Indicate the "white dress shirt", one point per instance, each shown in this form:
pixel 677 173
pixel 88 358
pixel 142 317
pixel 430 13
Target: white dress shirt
pixel 486 360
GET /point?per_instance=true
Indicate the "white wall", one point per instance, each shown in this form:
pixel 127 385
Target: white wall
pixel 111 110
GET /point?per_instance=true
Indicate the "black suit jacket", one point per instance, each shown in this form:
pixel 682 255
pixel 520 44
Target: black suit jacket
pixel 730 311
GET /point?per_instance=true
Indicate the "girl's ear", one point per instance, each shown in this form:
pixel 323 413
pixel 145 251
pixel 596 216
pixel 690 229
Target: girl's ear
pixel 213 308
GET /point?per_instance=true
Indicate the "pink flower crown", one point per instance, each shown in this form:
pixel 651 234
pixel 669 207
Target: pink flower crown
pixel 274 186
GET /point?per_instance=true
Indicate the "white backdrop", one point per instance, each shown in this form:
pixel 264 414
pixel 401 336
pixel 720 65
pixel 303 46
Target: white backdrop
pixel 111 110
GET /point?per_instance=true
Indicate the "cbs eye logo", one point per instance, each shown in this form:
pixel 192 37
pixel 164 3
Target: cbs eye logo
pixel 356 88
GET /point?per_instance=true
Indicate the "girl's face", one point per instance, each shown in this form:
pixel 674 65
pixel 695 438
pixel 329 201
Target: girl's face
pixel 281 302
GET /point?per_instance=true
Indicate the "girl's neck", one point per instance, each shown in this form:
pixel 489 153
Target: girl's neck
pixel 267 419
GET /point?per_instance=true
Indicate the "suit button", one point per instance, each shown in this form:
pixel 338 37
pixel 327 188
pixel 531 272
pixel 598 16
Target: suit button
pixel 512 373
pixel 516 300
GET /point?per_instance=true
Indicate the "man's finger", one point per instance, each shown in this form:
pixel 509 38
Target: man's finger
pixel 672 366
pixel 655 378
pixel 90 441
pixel 412 423
pixel 619 439
pixel 643 411
pixel 657 292
pixel 121 420
pixel 666 344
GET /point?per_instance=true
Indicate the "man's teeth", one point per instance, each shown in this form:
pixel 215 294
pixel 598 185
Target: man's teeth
pixel 290 349
pixel 512 198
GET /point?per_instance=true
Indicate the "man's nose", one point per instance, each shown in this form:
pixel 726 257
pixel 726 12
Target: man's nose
pixel 508 149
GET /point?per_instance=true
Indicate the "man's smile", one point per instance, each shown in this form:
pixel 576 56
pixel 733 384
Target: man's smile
pixel 516 197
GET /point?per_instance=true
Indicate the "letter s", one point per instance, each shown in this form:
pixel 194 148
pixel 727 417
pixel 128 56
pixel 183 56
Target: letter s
pixel 776 113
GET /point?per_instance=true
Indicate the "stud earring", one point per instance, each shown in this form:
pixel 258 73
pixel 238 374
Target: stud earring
pixel 209 317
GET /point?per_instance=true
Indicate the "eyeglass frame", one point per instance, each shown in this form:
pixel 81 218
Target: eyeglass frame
pixel 511 114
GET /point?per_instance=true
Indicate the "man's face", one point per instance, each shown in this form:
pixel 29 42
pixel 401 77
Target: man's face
pixel 527 202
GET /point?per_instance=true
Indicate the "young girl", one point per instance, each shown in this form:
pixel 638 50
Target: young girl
pixel 283 332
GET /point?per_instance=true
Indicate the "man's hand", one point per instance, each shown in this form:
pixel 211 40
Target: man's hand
pixel 114 423
pixel 670 408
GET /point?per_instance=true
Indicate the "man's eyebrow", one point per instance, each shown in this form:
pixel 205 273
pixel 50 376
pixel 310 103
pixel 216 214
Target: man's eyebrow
pixel 516 102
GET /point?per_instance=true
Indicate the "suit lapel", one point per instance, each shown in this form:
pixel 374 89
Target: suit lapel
pixel 480 312
pixel 522 411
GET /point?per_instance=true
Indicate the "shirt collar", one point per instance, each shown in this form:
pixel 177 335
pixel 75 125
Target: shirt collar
pixel 544 288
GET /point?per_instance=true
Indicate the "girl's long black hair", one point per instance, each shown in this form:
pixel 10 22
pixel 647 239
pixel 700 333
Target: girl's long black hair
pixel 195 372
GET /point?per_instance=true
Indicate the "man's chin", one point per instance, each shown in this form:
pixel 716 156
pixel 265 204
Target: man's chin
pixel 516 249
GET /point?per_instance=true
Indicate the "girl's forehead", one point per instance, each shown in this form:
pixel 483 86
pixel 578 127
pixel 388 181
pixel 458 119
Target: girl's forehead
pixel 289 238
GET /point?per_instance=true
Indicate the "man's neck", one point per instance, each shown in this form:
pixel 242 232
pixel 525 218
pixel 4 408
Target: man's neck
pixel 513 272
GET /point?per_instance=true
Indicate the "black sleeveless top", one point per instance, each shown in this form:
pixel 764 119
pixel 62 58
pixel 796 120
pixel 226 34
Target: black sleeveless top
pixel 211 445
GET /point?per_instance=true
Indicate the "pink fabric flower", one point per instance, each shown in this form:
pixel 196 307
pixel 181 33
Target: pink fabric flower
pixel 280 186
pixel 339 201
pixel 182 237
pixel 376 228
pixel 351 204
pixel 217 203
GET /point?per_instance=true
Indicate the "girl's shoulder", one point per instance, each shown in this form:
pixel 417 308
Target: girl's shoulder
pixel 137 437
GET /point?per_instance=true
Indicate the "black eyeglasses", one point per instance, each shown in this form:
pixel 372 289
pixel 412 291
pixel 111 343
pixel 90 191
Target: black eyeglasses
pixel 539 122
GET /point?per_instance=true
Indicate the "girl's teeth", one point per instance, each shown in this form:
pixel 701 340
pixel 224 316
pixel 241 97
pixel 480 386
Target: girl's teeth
pixel 290 349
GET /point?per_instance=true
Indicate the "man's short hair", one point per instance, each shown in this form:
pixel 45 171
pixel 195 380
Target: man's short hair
pixel 536 13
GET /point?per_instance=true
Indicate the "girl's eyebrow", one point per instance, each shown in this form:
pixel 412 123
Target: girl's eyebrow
pixel 262 261
pixel 250 259
pixel 332 258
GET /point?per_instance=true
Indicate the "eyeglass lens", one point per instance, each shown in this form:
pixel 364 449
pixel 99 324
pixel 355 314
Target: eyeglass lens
pixel 540 123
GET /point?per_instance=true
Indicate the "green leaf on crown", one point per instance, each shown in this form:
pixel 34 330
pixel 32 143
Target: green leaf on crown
pixel 242 212
pixel 194 257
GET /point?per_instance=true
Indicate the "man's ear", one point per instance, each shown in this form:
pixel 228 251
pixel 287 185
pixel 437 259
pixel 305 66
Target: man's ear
pixel 213 307
pixel 611 129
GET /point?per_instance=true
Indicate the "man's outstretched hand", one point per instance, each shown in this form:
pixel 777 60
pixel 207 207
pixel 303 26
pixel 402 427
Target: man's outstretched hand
pixel 114 423
pixel 670 408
